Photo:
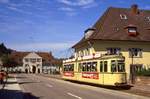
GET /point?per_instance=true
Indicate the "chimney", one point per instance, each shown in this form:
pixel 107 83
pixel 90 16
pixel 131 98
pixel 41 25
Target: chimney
pixel 134 9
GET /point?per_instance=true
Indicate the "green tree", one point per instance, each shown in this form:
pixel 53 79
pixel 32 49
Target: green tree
pixel 8 61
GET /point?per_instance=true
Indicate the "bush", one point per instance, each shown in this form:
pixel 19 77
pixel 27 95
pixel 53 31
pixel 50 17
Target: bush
pixel 143 72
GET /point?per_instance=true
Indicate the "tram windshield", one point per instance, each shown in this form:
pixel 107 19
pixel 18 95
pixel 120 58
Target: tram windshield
pixel 117 66
pixel 121 66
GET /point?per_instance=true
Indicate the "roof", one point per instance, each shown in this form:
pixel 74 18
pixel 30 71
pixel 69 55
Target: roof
pixel 32 55
pixel 47 58
pixel 110 26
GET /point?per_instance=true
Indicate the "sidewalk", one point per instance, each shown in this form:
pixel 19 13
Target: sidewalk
pixel 10 89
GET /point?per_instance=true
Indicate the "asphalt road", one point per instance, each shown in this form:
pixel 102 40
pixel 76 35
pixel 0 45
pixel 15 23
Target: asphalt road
pixel 49 88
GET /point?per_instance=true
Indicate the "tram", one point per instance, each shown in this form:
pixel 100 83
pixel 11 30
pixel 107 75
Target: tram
pixel 105 70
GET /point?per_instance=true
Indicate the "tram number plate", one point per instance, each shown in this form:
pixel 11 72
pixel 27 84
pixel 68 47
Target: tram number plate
pixel 69 74
pixel 90 75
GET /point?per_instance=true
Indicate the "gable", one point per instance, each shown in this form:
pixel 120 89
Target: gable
pixel 32 55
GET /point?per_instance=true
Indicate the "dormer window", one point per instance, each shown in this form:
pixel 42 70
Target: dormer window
pixel 88 32
pixel 131 30
pixel 148 19
pixel 123 16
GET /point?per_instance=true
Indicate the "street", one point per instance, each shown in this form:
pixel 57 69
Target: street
pixel 49 88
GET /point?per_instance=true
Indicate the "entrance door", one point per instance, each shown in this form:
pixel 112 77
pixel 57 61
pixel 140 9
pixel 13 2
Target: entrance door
pixel 38 70
pixel 26 70
pixel 33 69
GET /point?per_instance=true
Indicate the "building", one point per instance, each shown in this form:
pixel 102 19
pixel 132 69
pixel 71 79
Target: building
pixel 123 31
pixel 32 63
pixel 35 62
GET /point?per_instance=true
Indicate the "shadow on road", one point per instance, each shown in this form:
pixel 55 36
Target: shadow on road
pixel 15 94
pixel 27 82
pixel 127 87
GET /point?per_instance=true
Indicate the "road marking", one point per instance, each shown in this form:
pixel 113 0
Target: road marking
pixel 74 95
pixel 48 85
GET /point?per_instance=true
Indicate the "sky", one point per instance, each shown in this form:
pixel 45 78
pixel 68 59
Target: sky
pixel 52 25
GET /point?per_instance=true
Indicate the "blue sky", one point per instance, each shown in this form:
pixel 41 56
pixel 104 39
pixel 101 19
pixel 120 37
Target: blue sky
pixel 52 25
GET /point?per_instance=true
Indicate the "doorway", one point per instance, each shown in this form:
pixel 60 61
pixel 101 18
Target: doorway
pixel 26 70
pixel 38 70
pixel 33 69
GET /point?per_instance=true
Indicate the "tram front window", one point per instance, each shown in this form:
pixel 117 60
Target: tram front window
pixel 121 67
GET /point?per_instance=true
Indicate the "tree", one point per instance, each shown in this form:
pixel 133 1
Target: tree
pixel 8 61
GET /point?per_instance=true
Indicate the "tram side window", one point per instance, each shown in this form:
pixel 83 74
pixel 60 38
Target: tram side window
pixel 113 66
pixel 101 66
pixel 89 67
pixel 105 66
pixel 69 67
pixel 84 67
pixel 94 66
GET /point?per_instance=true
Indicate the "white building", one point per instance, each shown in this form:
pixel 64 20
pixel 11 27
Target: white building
pixel 32 63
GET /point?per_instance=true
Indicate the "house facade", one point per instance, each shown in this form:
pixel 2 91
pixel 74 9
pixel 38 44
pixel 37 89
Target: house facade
pixel 32 63
pixel 124 31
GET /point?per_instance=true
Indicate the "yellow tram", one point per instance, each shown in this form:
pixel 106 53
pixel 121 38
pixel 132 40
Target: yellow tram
pixel 104 70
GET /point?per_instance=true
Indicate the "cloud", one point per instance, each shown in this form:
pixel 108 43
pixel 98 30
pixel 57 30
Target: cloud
pixel 18 10
pixel 71 13
pixel 41 46
pixel 66 9
pixel 76 2
pixel 90 6
pixel 146 7
pixel 4 1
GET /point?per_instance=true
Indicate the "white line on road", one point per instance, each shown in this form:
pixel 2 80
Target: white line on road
pixel 74 95
pixel 48 85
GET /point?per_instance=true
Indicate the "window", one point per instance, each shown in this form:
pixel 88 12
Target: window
pixel 33 60
pixel 121 66
pixel 147 18
pixel 26 60
pixel 135 52
pixel 113 66
pixel 38 60
pixel 94 66
pixel 84 67
pixel 105 66
pixel 101 66
pixel 123 16
pixel 89 67
pixel 69 67
pixel 112 51
pixel 132 30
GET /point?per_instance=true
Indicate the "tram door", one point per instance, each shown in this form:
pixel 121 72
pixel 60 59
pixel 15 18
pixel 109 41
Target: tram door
pixel 132 73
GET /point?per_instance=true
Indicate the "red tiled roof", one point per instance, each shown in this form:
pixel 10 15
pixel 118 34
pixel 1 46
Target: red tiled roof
pixel 111 27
